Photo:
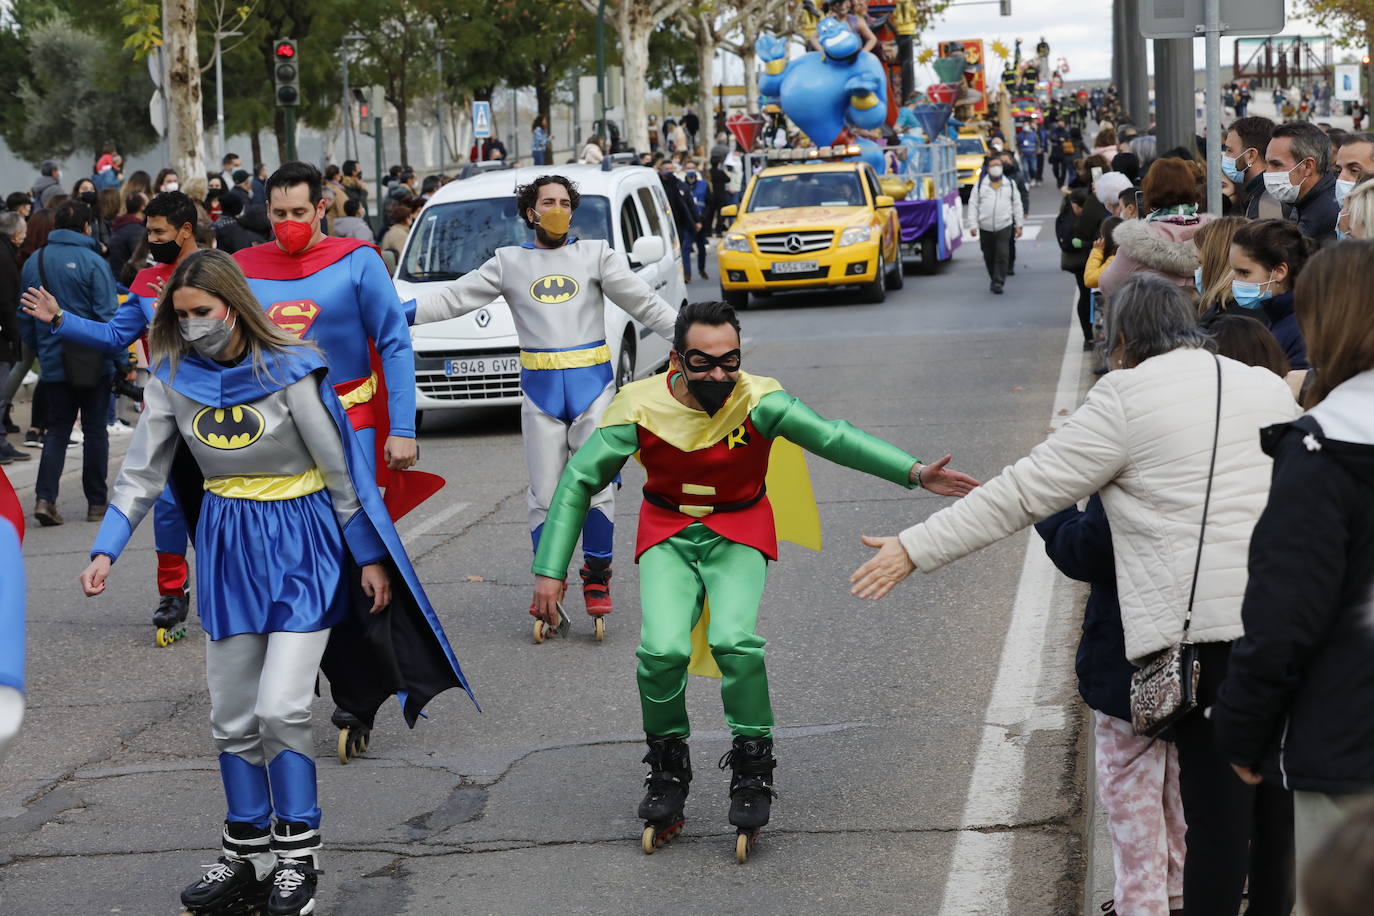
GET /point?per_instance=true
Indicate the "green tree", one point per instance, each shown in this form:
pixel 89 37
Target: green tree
pixel 1351 22
pixel 674 69
pixel 546 42
pixel 82 92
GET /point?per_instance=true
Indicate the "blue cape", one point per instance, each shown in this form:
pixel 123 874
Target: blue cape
pixel 402 650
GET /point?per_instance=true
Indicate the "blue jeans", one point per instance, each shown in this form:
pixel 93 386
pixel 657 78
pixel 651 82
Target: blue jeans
pixel 688 239
pixel 539 156
pixel 64 402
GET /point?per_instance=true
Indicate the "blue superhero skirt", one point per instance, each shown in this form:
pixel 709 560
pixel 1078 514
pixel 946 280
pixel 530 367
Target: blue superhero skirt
pixel 264 566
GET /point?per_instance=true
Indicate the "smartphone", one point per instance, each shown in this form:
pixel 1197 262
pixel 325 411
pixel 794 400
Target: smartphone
pixel 1139 204
pixel 1097 172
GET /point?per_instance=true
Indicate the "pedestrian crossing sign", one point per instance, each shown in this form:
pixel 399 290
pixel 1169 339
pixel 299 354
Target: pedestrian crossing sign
pixel 481 119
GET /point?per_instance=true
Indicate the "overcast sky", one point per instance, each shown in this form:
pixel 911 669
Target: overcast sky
pixel 1077 30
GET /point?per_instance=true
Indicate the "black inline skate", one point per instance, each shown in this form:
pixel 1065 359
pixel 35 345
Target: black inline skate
pixel 751 763
pixel 354 734
pixel 170 618
pixel 670 774
pixel 297 873
pixel 239 882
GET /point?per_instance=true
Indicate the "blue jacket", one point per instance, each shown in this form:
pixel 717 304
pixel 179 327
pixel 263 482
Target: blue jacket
pixel 1080 545
pixel 82 284
pixel 1278 313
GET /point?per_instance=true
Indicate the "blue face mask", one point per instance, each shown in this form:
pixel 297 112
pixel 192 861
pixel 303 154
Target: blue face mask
pixel 1341 236
pixel 1250 295
pixel 1231 170
pixel 1197 279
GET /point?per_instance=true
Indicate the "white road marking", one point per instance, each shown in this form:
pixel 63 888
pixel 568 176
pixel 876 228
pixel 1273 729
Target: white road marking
pixel 981 867
pixel 434 521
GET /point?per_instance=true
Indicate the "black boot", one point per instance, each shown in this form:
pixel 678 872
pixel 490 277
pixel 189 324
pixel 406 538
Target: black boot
pixel 596 585
pixel 172 610
pixel 298 869
pixel 239 881
pixel 751 783
pixel 670 773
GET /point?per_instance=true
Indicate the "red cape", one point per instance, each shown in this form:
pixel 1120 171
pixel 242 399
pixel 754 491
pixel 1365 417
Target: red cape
pixel 10 510
pixel 143 282
pixel 268 262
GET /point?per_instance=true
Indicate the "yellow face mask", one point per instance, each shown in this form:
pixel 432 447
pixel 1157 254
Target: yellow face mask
pixel 555 221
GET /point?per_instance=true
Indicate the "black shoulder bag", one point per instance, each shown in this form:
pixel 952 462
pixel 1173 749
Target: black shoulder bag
pixel 1165 690
pixel 84 366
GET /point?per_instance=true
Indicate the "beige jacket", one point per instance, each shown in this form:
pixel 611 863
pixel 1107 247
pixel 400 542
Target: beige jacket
pixel 1143 439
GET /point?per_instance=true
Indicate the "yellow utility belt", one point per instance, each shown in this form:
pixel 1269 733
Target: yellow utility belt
pixel 360 395
pixel 267 487
pixel 566 359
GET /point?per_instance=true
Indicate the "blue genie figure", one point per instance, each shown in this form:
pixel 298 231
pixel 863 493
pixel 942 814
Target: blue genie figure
pixel 826 92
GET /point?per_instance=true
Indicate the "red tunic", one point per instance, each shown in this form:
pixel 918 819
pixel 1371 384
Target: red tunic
pixel 731 471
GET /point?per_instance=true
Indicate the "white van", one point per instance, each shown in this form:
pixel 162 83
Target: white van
pixel 474 361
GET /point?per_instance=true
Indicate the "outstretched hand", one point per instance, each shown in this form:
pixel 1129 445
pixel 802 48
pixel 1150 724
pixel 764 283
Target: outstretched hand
pixel 885 569
pixel 39 303
pixel 547 593
pixel 938 479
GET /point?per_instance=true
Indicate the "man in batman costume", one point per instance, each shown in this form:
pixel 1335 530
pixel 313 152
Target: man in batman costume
pixel 299 565
pixel 554 287
pixel 710 437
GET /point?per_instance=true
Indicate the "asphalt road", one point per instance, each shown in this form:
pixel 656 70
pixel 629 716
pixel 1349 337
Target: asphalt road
pixel 927 764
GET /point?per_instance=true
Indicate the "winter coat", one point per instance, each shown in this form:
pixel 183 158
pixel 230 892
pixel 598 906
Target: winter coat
pixel 1080 545
pixel 351 227
pixel 1258 202
pixel 232 236
pixel 1143 439
pixel 11 344
pixel 125 234
pixel 45 187
pixel 992 207
pixel 1092 271
pixel 80 281
pixel 1163 247
pixel 1278 313
pixel 1298 699
pixel 1317 210
pixel 1084 228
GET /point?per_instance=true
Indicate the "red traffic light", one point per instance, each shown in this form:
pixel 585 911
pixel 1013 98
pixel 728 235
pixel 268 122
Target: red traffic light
pixel 1365 61
pixel 285 50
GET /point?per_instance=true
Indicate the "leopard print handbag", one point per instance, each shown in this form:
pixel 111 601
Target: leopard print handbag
pixel 1165 690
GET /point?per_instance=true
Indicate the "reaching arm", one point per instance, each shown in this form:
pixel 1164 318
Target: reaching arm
pixel 128 324
pixel 468 293
pixel 780 414
pixel 144 474
pixel 384 319
pixel 1080 543
pixel 588 473
pixel 625 288
pixel 321 436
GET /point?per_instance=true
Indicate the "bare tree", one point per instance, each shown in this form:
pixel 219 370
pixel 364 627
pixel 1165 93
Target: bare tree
pixel 184 130
pixel 635 21
pixel 753 17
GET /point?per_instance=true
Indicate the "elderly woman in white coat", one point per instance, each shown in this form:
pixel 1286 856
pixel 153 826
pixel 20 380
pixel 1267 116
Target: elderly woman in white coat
pixel 1143 439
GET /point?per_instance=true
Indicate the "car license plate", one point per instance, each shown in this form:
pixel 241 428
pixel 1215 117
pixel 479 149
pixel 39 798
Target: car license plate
pixel 794 267
pixel 481 365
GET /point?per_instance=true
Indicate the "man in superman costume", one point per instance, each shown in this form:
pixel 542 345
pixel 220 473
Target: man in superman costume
pixel 170 223
pixel 707 434
pixel 11 614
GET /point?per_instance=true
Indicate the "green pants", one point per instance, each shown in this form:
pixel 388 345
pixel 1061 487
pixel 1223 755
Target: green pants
pixel 674 577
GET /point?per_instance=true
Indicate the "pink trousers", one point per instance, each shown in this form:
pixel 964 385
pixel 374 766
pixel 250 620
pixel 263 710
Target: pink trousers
pixel 1137 782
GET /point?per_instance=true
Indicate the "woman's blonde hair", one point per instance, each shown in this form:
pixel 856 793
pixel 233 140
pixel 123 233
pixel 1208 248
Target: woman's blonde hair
pixel 1336 315
pixel 1359 204
pixel 1213 243
pixel 218 274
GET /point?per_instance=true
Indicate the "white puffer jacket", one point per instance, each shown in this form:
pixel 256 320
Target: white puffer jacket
pixel 1143 438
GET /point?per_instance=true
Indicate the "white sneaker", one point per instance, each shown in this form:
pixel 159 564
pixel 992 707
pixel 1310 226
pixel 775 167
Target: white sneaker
pixel 119 428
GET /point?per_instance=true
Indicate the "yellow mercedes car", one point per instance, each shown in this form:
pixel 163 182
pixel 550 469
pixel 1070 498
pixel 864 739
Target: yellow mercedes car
pixel 811 226
pixel 969 152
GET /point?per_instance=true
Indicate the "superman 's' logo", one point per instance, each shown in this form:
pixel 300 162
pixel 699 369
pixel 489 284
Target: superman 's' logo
pixel 228 428
pixel 294 317
pixel 553 288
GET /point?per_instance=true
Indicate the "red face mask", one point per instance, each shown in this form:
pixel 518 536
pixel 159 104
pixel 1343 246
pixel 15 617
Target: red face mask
pixel 294 235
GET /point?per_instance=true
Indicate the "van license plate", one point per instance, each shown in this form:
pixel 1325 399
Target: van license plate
pixel 481 365
pixel 794 267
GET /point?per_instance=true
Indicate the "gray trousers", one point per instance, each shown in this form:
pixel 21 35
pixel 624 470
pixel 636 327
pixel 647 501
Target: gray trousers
pixel 996 245
pixel 12 376
pixel 261 688
pixel 549 443
pixel 1315 815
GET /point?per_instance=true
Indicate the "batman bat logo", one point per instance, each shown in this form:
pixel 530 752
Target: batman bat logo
pixel 554 288
pixel 228 428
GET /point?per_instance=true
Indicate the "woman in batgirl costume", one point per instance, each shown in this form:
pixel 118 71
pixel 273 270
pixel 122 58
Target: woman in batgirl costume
pixel 300 568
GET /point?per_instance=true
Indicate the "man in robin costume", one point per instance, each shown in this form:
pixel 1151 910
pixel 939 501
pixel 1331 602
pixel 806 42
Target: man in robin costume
pixel 708 435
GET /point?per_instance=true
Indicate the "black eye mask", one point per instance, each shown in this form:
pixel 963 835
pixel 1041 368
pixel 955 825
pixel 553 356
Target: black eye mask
pixel 697 361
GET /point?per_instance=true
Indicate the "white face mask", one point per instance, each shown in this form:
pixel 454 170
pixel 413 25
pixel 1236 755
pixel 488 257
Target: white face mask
pixel 171 186
pixel 994 171
pixel 1280 186
pixel 1343 189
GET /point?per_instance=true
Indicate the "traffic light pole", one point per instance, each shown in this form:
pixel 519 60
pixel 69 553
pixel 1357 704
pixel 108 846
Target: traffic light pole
pixel 288 114
pixel 377 145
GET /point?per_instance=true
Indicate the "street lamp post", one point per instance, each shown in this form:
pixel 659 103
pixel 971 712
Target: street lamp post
pixel 601 72
pixel 350 138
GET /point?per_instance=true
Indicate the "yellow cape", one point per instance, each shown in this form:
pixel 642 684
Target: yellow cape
pixel 649 403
